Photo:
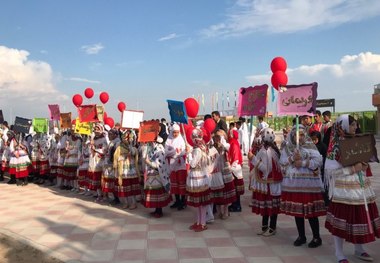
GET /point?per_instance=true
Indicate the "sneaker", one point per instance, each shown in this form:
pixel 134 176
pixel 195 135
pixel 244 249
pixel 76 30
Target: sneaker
pixel 210 221
pixel 262 231
pixel 343 261
pixel 316 242
pixel 270 232
pixel 363 256
pixel 299 241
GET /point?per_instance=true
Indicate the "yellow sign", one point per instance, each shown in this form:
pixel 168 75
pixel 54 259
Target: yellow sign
pixel 83 127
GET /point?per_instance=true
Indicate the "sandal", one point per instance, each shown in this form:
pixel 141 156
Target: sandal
pixel 193 226
pixel 200 228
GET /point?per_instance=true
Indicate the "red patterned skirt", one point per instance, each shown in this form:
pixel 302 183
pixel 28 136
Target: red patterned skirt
pixel 108 184
pixel 129 187
pixel 5 166
pixel 155 198
pixel 197 199
pixel 60 171
pixel 178 182
pixel 53 171
pixel 82 178
pixel 265 204
pixel 94 180
pixel 70 173
pixel 350 222
pixel 239 186
pixel 305 205
pixel 44 168
pixel 229 190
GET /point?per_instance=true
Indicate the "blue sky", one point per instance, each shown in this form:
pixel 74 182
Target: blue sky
pixel 145 52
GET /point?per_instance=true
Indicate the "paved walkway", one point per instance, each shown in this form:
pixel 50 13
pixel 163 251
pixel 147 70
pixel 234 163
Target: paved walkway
pixel 76 229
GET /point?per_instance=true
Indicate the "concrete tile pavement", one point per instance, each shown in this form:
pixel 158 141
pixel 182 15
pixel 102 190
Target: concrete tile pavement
pixel 76 229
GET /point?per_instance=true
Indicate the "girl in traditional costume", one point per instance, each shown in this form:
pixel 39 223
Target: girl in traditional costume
pixel 175 151
pixel 302 187
pixel 125 163
pixel 266 182
pixel 156 184
pixel 198 182
pixel 349 190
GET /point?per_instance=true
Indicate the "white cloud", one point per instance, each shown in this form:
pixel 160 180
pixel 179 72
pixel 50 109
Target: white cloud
pixel 84 80
pixel 278 16
pixel 169 37
pixel 350 81
pixel 26 86
pixel 92 49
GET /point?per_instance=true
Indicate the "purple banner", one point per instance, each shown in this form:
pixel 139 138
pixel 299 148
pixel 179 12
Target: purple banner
pixel 298 100
pixel 253 101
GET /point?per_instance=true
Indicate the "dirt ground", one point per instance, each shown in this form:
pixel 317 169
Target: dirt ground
pixel 13 251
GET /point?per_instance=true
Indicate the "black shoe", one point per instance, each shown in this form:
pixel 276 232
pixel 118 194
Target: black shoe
pixel 316 242
pixel 12 181
pixel 234 208
pixel 175 205
pixel 299 241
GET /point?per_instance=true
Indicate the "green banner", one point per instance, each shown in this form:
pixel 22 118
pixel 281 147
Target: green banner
pixel 40 125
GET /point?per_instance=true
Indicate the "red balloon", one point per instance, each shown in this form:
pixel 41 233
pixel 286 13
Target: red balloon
pixel 77 100
pixel 89 93
pixel 104 97
pixel 279 78
pixel 192 107
pixel 206 135
pixel 121 106
pixel 189 131
pixel 278 64
pixel 110 122
pixel 209 125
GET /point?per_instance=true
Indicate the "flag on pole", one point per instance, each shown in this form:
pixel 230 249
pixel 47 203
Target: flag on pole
pixel 217 103
pixel 222 101
pixel 203 102
pixel 235 98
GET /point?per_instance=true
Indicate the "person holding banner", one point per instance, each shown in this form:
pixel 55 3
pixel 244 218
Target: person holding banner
pixel 156 184
pixel 352 214
pixel 108 176
pixel 175 151
pixel 302 187
pixel 84 156
pixel 71 163
pixel 266 183
pixel 125 163
pixel 98 149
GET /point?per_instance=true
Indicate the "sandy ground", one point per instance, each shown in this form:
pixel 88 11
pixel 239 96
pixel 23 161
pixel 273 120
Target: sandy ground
pixel 13 251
